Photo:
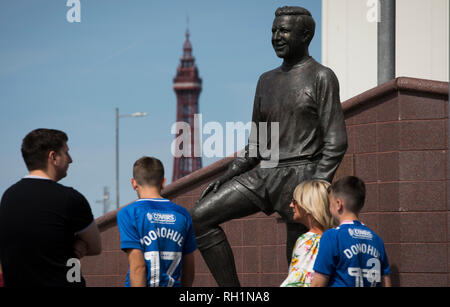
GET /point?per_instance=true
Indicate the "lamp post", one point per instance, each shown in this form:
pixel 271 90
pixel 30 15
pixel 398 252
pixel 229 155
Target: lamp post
pixel 386 41
pixel 137 114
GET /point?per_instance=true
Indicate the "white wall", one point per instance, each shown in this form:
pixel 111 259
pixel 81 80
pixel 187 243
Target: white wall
pixel 349 42
pixel 422 39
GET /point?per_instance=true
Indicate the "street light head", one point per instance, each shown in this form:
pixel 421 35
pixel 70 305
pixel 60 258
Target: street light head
pixel 139 114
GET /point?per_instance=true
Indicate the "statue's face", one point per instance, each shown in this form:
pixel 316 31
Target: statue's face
pixel 287 36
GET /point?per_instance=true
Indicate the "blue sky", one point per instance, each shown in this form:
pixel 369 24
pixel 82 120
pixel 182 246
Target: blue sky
pixel 71 76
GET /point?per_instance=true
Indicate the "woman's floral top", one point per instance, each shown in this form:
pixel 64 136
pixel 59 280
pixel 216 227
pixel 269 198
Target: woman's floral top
pixel 302 263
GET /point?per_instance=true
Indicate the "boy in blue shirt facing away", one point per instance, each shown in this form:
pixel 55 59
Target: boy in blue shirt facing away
pixel 156 234
pixel 351 255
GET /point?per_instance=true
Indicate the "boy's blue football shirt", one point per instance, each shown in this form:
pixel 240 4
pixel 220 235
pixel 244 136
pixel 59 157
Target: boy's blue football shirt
pixel 163 232
pixel 352 255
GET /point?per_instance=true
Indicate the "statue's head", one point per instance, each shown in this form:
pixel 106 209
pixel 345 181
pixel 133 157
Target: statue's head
pixel 292 31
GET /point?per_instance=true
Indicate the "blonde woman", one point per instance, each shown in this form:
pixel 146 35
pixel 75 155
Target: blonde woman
pixel 311 208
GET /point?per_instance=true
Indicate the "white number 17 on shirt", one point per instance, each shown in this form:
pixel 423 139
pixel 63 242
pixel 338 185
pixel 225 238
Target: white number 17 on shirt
pixel 154 258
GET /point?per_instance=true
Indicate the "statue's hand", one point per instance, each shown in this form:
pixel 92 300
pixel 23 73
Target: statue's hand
pixel 213 186
pixel 236 167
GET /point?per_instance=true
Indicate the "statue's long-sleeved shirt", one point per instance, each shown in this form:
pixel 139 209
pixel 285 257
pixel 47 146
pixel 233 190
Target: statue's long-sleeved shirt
pixel 304 101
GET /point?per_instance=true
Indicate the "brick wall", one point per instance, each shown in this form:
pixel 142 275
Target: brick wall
pixel 398 144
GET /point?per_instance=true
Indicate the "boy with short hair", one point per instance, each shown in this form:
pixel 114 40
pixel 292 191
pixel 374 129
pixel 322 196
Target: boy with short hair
pixel 156 234
pixel 351 255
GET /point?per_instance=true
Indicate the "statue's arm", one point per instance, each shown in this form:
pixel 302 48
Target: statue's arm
pixel 333 125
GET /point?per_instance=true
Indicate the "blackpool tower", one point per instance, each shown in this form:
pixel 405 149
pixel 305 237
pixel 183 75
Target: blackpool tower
pixel 187 86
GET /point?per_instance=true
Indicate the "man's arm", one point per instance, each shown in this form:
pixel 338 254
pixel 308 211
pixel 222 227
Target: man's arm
pixel 89 242
pixel 188 270
pixel 320 280
pixel 82 223
pixel 386 281
pixel 138 270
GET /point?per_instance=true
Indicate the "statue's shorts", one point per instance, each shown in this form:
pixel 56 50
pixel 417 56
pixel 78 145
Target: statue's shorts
pixel 271 189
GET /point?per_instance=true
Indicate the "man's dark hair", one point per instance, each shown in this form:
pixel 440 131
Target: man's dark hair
pixel 304 18
pixel 352 190
pixel 38 143
pixel 148 171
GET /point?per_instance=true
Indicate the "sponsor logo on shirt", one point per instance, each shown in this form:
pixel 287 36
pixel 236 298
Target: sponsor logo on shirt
pixel 356 233
pixel 161 218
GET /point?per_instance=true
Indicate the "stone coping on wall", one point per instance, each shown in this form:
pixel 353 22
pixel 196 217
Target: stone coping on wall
pixel 401 84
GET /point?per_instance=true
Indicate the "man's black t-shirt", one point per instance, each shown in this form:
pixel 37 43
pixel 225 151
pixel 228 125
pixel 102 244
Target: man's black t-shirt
pixel 39 220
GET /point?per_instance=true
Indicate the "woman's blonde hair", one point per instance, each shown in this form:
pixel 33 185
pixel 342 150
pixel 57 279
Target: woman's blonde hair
pixel 312 196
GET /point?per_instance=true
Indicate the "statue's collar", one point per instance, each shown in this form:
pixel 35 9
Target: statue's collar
pixel 287 67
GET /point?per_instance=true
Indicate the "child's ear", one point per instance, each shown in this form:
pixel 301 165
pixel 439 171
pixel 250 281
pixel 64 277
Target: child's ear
pixel 163 184
pixel 340 205
pixel 133 184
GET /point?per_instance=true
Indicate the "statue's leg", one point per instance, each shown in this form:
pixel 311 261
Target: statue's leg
pixel 216 208
pixel 293 229
pixel 287 180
